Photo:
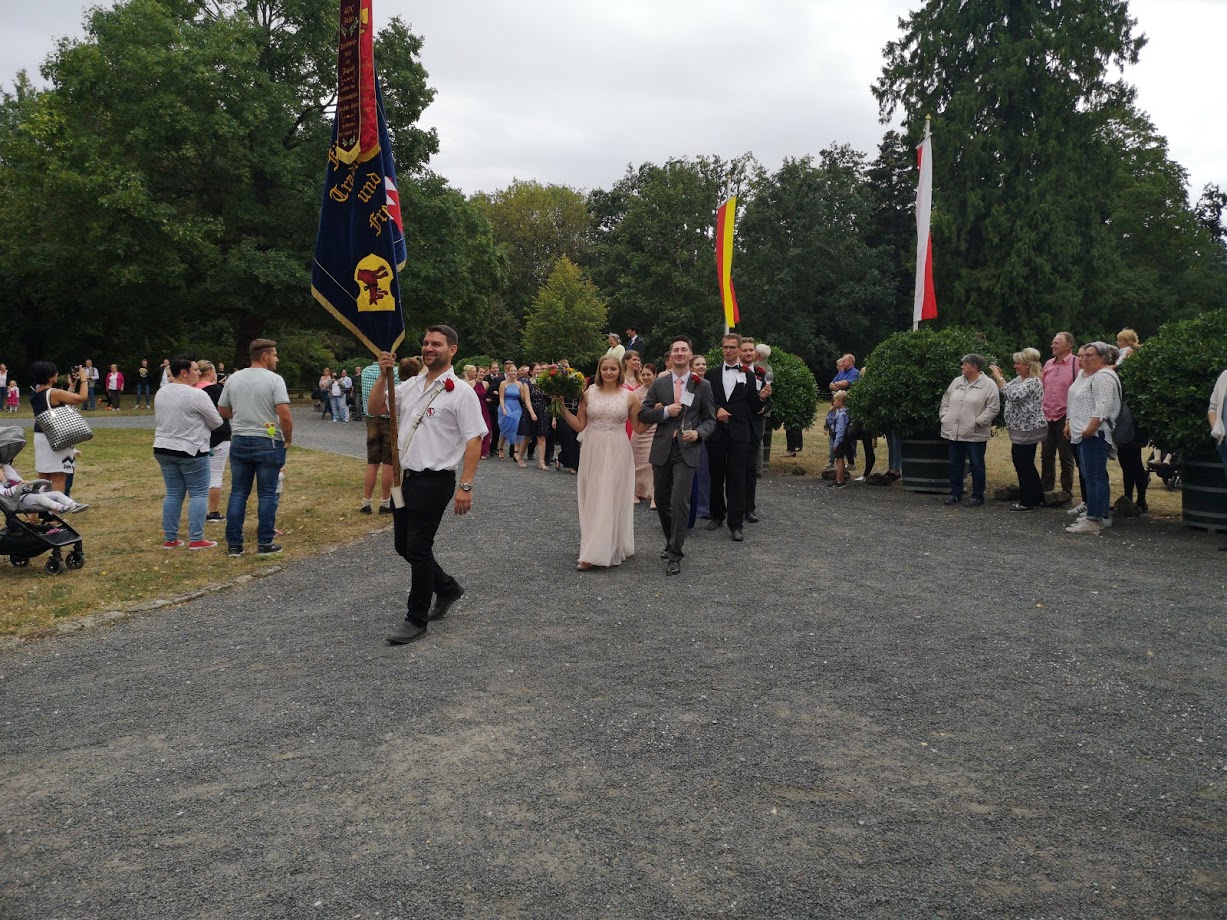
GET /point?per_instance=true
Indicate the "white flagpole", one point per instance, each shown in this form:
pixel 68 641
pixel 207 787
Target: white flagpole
pixel 924 209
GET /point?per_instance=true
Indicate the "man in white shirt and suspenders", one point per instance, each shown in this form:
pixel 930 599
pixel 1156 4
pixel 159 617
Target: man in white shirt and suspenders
pixel 441 424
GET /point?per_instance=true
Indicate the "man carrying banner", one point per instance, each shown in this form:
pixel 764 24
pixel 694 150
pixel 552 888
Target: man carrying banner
pixel 441 425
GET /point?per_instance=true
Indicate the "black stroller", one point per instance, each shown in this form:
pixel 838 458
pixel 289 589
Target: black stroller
pixel 29 533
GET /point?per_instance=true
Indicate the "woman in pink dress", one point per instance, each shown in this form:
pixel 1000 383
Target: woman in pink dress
pixel 606 484
pixel 641 443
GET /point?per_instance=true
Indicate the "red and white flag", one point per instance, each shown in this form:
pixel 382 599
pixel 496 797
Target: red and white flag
pixel 925 305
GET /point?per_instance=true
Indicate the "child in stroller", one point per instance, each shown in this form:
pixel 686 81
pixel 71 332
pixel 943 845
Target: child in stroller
pixel 31 522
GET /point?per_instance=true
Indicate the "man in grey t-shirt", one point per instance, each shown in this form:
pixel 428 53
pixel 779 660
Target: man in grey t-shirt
pixel 258 406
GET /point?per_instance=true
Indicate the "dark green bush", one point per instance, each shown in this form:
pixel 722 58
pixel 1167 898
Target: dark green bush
pixel 903 381
pixel 1168 382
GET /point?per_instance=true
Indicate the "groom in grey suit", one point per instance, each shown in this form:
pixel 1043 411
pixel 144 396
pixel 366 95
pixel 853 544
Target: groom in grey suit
pixel 683 410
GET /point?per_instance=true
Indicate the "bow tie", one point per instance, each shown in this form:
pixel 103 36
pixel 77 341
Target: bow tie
pixel 732 367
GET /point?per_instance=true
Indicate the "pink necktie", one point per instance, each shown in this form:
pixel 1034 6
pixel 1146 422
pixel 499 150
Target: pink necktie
pixel 677 389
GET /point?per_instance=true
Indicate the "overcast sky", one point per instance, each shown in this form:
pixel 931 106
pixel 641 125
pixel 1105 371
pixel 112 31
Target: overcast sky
pixel 571 92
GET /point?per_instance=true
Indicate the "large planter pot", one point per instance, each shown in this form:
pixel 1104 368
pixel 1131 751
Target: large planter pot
pixel 1203 496
pixel 926 464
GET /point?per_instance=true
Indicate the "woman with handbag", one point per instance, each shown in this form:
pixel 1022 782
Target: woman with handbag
pixel 1024 420
pixel 54 465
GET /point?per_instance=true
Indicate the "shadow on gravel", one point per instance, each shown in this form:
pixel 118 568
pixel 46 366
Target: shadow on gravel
pixel 874 707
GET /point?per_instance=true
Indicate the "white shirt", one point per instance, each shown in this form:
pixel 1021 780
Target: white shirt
pixel 91 374
pixel 449 422
pixel 731 376
pixel 664 409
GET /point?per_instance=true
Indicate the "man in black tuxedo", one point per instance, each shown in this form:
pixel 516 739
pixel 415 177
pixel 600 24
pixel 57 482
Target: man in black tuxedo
pixel 738 394
pixel 749 360
pixel 680 405
pixel 635 342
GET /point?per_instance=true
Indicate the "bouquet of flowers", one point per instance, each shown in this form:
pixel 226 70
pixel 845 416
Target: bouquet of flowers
pixel 560 383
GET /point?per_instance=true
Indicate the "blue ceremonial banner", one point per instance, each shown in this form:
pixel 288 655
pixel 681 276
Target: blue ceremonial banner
pixel 360 245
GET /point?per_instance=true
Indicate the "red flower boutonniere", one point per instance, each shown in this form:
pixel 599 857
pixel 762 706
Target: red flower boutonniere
pixel 746 368
pixel 449 384
pixel 760 373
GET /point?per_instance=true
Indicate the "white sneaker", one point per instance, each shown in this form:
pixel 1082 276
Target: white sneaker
pixel 1105 523
pixel 1079 508
pixel 859 479
pixel 1084 527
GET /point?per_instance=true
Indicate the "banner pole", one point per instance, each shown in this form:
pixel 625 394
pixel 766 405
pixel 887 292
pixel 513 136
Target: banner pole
pixel 398 495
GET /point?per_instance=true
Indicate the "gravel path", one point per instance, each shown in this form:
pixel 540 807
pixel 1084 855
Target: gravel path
pixel 875 707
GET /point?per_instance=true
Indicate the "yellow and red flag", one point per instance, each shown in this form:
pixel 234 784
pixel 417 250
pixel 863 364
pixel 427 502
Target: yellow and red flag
pixel 726 214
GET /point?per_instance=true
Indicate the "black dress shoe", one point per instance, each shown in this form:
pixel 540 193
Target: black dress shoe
pixel 738 536
pixel 406 633
pixel 443 603
pixel 664 553
pixel 715 524
pixel 751 517
pixel 976 501
pixel 673 568
pixel 952 500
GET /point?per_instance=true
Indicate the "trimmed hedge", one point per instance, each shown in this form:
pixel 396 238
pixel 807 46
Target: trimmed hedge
pixel 1168 381
pixel 903 381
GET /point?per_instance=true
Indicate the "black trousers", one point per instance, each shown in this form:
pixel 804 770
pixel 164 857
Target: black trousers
pixel 795 438
pixel 427 496
pixel 1133 470
pixel 728 461
pixel 870 457
pixel 1030 491
pixel 672 483
pixel 568 446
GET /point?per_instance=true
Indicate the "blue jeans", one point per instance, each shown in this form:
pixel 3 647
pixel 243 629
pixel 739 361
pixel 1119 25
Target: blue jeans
pixel 260 460
pixel 894 451
pixel 93 399
pixel 184 476
pixel 340 411
pixel 973 453
pixel 1093 460
pixel 142 392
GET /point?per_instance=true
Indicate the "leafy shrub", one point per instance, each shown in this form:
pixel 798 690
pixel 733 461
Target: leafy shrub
pixel 903 381
pixel 1168 382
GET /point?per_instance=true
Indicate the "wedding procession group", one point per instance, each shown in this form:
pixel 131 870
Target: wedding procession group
pixel 442 424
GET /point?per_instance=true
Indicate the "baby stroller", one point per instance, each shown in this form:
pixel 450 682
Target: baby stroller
pixel 30 533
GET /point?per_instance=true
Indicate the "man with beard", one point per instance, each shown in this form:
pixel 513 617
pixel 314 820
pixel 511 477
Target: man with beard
pixel 440 429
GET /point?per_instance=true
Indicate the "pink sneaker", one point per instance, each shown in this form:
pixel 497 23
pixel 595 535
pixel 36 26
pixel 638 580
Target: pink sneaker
pixel 172 544
pixel 202 544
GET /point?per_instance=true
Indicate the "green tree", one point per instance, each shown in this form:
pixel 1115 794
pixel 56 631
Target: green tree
pixel 454 270
pixel 891 181
pixel 805 274
pixel 536 225
pixel 171 172
pixel 567 320
pixel 1017 92
pixel 654 252
pixel 1162 259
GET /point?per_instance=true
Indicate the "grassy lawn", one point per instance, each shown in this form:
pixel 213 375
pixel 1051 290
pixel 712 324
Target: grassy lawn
pixel 122 534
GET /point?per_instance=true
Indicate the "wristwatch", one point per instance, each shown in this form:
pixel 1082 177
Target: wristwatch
pixel 466 487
